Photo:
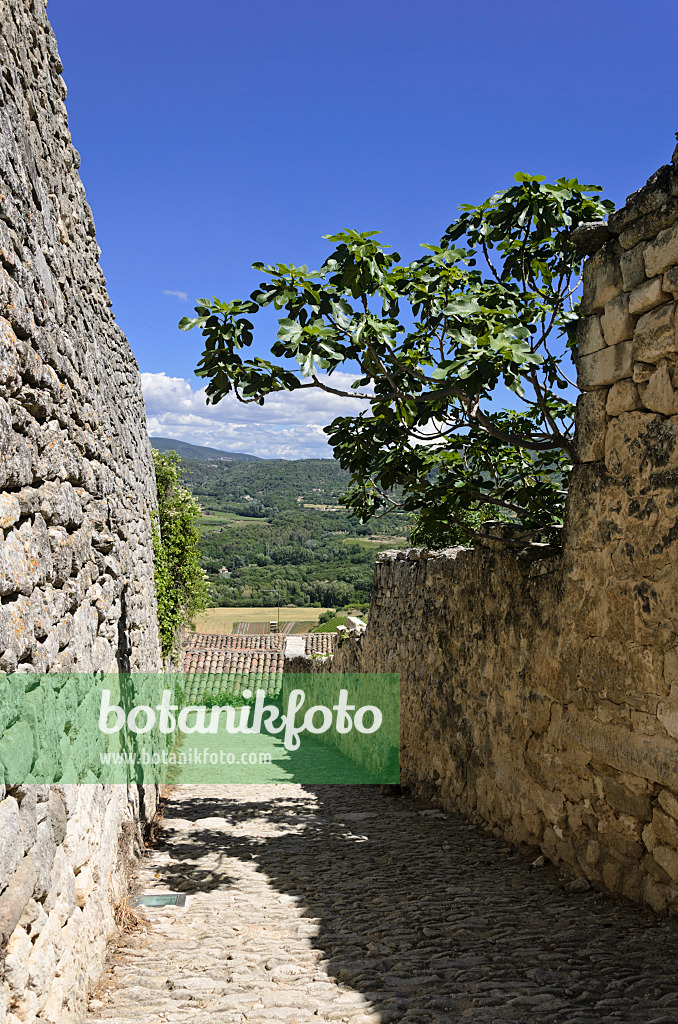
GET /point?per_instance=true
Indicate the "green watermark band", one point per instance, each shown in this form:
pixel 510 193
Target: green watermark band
pixel 187 728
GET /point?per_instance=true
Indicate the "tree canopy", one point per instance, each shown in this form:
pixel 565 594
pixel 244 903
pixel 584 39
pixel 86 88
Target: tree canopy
pixel 458 359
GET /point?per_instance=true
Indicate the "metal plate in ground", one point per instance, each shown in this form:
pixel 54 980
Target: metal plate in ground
pixel 159 899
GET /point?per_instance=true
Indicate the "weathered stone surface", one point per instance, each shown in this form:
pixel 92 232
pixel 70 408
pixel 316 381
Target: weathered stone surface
pixel 632 264
pixel 648 226
pixel 655 335
pixel 591 417
pixel 646 202
pixel 590 236
pixel 602 280
pixel 616 321
pixel 658 392
pixel 667 714
pixel 75 463
pixel 605 367
pixel 642 372
pixel 57 815
pixel 670 281
pixel 16 752
pixel 589 335
pixel 622 397
pixel 647 295
pixel 662 253
pixel 11 849
pixel 10 510
pixel 626 801
pixel 638 443
pixel 667 858
pixel 668 801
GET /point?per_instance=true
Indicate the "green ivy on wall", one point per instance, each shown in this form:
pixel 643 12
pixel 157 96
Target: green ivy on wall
pixel 179 579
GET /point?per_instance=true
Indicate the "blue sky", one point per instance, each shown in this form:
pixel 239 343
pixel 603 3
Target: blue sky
pixel 215 133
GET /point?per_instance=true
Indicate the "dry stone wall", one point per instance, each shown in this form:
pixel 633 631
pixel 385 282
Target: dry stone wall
pixel 540 694
pixel 76 486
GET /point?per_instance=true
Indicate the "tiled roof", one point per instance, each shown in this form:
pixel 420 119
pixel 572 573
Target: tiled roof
pixel 321 643
pixel 217 663
pixel 231 671
pixel 234 642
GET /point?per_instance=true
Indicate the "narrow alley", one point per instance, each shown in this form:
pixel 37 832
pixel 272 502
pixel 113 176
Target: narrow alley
pixel 341 903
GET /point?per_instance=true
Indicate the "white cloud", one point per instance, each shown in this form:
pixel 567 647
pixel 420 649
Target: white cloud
pixel 180 295
pixel 288 426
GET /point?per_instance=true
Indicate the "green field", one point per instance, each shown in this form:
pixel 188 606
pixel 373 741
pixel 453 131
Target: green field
pixel 211 522
pixel 377 543
pixel 331 625
pixel 222 620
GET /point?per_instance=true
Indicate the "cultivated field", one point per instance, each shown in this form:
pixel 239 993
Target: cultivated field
pixel 221 620
pixel 380 543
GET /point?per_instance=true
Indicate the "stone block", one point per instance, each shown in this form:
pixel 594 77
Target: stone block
pixel 655 335
pixel 632 265
pixel 602 280
pixel 624 800
pixel 642 372
pixel 616 321
pixel 648 227
pixel 668 801
pixel 667 714
pixel 665 829
pixel 44 613
pixel 667 858
pixel 645 201
pixel 654 894
pixel 11 846
pixel 44 852
pixel 16 753
pixel 62 554
pixel 59 505
pixel 591 419
pixel 18 626
pixel 658 392
pixel 648 295
pixel 650 837
pixel 28 816
pixel 10 510
pixel 639 442
pixel 662 253
pixel 671 670
pixel 670 281
pixel 605 367
pixel 589 335
pixel 622 397
pixel 651 867
pixel 57 815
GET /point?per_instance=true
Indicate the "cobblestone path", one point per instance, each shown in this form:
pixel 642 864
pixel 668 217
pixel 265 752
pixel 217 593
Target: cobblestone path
pixel 339 903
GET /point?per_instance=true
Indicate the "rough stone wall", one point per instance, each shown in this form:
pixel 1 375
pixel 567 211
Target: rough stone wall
pixel 76 479
pixel 541 694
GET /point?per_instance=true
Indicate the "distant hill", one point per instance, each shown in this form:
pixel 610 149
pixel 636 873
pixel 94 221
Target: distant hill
pixel 268 488
pixel 198 451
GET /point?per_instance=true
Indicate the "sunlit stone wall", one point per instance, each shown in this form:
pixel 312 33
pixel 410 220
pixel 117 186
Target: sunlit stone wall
pixel 76 572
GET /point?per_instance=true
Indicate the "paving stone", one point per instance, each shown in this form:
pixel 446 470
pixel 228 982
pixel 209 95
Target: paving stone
pixel 289 918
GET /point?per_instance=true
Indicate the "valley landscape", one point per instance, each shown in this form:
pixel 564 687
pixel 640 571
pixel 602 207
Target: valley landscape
pixel 274 531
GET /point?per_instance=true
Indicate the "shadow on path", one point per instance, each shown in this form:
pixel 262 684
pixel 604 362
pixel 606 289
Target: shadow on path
pixel 428 917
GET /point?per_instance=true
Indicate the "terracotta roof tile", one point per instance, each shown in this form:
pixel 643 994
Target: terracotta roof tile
pixel 229 663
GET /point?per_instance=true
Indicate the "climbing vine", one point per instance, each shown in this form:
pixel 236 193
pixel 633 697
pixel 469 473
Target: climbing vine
pixel 179 579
